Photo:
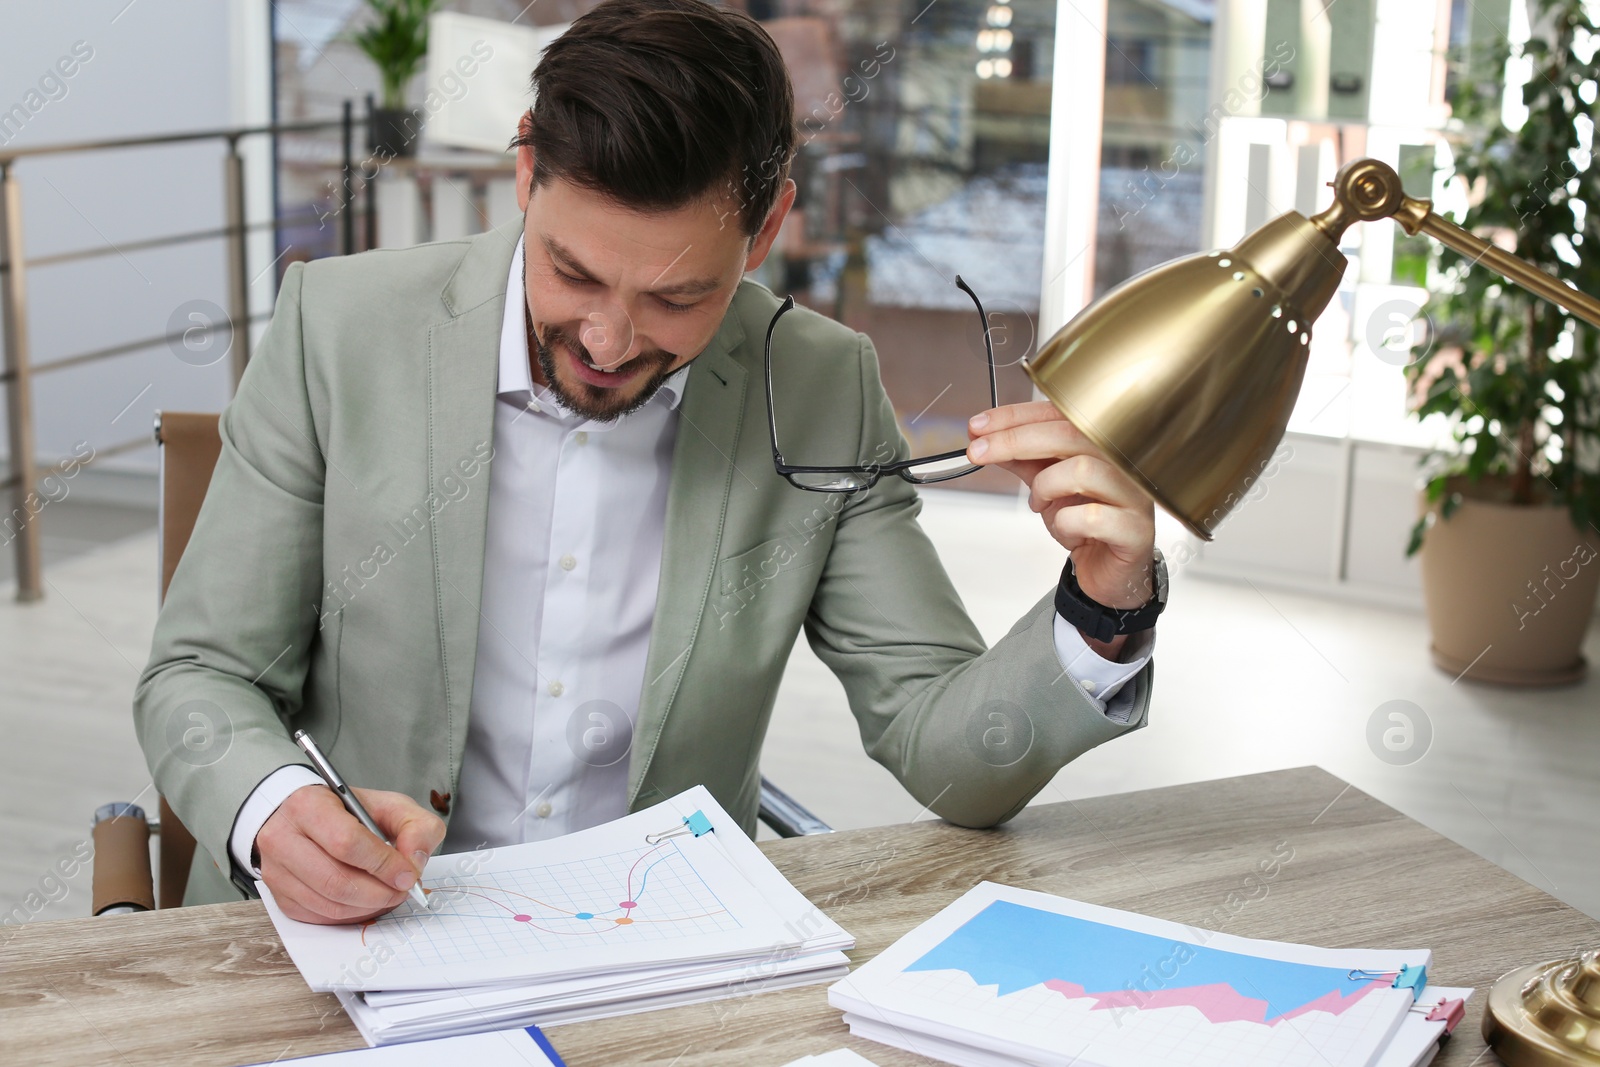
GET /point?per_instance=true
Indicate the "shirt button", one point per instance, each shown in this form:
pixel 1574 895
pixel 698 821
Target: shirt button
pixel 543 810
pixel 1088 685
pixel 582 437
pixel 556 689
pixel 568 562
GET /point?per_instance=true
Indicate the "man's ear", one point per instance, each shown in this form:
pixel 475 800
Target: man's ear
pixel 524 161
pixel 762 243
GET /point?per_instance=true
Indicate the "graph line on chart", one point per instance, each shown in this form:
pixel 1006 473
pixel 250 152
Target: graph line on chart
pixel 652 892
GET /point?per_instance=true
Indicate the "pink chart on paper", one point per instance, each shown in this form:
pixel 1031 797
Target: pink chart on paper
pixel 1219 1002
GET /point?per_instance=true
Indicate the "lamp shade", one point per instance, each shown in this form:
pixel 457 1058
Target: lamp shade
pixel 1185 376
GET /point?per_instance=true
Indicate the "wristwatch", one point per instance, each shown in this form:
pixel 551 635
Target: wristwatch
pixel 1103 623
pixel 243 880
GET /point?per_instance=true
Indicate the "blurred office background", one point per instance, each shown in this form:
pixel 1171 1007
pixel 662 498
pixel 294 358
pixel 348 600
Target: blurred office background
pixel 1045 150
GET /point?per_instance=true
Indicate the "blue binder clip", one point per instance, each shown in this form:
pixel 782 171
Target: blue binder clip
pixel 696 825
pixel 1412 978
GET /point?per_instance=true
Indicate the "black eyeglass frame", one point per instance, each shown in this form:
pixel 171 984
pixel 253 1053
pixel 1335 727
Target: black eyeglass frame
pixel 874 471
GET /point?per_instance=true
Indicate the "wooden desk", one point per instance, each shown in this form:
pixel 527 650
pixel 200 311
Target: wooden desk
pixel 213 985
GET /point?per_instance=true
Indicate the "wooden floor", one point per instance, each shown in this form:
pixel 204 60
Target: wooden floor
pixel 1248 679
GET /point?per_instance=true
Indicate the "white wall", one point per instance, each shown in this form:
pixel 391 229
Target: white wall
pixel 154 66
pixel 1331 516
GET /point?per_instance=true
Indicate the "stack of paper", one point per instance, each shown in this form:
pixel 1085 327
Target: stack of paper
pixel 520 1047
pixel 670 905
pixel 1006 976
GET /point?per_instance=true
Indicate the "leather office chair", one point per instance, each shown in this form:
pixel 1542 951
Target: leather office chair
pixel 123 881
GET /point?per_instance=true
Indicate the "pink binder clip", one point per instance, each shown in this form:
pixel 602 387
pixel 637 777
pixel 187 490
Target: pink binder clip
pixel 1449 1011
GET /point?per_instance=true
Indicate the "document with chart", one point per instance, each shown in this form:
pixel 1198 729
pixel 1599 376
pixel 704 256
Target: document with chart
pixel 667 905
pixel 1006 975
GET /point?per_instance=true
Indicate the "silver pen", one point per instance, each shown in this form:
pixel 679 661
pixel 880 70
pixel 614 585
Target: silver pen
pixel 346 794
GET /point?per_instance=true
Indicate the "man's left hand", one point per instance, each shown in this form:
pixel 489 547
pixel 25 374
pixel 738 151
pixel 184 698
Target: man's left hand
pixel 1092 509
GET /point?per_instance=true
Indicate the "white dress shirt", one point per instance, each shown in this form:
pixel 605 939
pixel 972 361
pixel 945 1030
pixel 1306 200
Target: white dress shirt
pixel 572 557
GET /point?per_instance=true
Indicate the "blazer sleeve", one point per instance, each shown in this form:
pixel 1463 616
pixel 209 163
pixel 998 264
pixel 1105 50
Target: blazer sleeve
pixel 972 733
pixel 232 642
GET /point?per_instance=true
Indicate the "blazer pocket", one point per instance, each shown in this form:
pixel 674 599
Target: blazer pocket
pixel 758 567
pixel 776 575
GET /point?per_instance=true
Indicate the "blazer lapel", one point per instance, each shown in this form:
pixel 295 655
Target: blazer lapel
pixel 463 376
pixel 710 418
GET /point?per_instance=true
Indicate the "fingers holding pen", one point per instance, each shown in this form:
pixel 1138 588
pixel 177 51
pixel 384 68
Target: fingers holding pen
pixel 321 861
pixel 415 831
pixel 325 866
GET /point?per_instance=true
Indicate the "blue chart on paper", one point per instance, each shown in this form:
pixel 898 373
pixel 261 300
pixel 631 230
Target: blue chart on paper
pixel 1016 947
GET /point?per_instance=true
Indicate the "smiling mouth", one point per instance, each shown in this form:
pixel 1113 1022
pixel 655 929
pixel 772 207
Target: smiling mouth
pixel 592 365
pixel 595 376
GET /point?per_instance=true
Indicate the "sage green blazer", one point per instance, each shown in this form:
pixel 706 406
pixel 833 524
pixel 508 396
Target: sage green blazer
pixel 334 574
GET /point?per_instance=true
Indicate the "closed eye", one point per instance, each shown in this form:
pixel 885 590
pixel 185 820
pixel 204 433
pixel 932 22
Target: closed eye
pixel 574 280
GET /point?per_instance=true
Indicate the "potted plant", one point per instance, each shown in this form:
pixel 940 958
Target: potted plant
pixel 1508 536
pixel 396 40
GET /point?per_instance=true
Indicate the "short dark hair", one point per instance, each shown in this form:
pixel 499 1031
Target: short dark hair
pixel 656 103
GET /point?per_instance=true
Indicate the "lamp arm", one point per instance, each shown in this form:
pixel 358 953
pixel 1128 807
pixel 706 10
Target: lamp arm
pixel 1508 266
pixel 1367 190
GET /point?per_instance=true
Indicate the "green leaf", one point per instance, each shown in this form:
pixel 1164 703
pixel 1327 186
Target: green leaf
pixel 1532 184
pixel 1414 544
pixel 396 40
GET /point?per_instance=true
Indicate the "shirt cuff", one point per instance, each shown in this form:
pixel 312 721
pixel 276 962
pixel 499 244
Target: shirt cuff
pixel 258 807
pixel 1099 678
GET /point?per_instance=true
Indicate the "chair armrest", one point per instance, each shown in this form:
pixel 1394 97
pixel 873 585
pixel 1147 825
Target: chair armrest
pixel 786 815
pixel 122 878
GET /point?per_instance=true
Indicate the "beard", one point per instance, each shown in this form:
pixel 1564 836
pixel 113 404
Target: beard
pixel 593 401
pixel 581 398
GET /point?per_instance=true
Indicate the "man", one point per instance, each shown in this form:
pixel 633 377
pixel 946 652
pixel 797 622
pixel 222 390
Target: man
pixel 497 522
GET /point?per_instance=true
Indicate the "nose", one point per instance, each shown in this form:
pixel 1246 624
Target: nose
pixel 609 336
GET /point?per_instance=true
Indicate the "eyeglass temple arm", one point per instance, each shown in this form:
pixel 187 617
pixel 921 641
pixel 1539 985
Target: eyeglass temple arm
pixel 772 416
pixel 988 340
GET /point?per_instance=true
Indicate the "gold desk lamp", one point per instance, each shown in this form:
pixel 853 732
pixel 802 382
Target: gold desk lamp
pixel 1185 376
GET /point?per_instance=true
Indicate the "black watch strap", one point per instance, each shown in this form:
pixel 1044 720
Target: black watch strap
pixel 242 879
pixel 1103 623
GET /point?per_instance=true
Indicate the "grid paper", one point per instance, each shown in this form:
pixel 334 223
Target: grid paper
pixel 651 893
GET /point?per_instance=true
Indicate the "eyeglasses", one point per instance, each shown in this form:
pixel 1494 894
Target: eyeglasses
pixel 853 478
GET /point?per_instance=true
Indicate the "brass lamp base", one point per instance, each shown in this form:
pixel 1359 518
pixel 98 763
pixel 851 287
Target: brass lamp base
pixel 1547 1014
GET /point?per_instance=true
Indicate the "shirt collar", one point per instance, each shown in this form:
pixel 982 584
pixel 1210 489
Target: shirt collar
pixel 515 374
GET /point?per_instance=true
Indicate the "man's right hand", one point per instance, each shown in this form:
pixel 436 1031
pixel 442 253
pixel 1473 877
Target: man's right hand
pixel 323 866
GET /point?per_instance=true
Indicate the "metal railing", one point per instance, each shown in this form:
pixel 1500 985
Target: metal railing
pixel 18 369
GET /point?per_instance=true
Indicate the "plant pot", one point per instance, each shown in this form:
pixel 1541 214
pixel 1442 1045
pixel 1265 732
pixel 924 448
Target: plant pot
pixel 1509 589
pixel 394 131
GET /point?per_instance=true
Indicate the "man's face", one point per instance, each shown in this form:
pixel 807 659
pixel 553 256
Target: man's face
pixel 618 300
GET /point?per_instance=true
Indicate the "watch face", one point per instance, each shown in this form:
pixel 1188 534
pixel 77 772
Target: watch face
pixel 1161 576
